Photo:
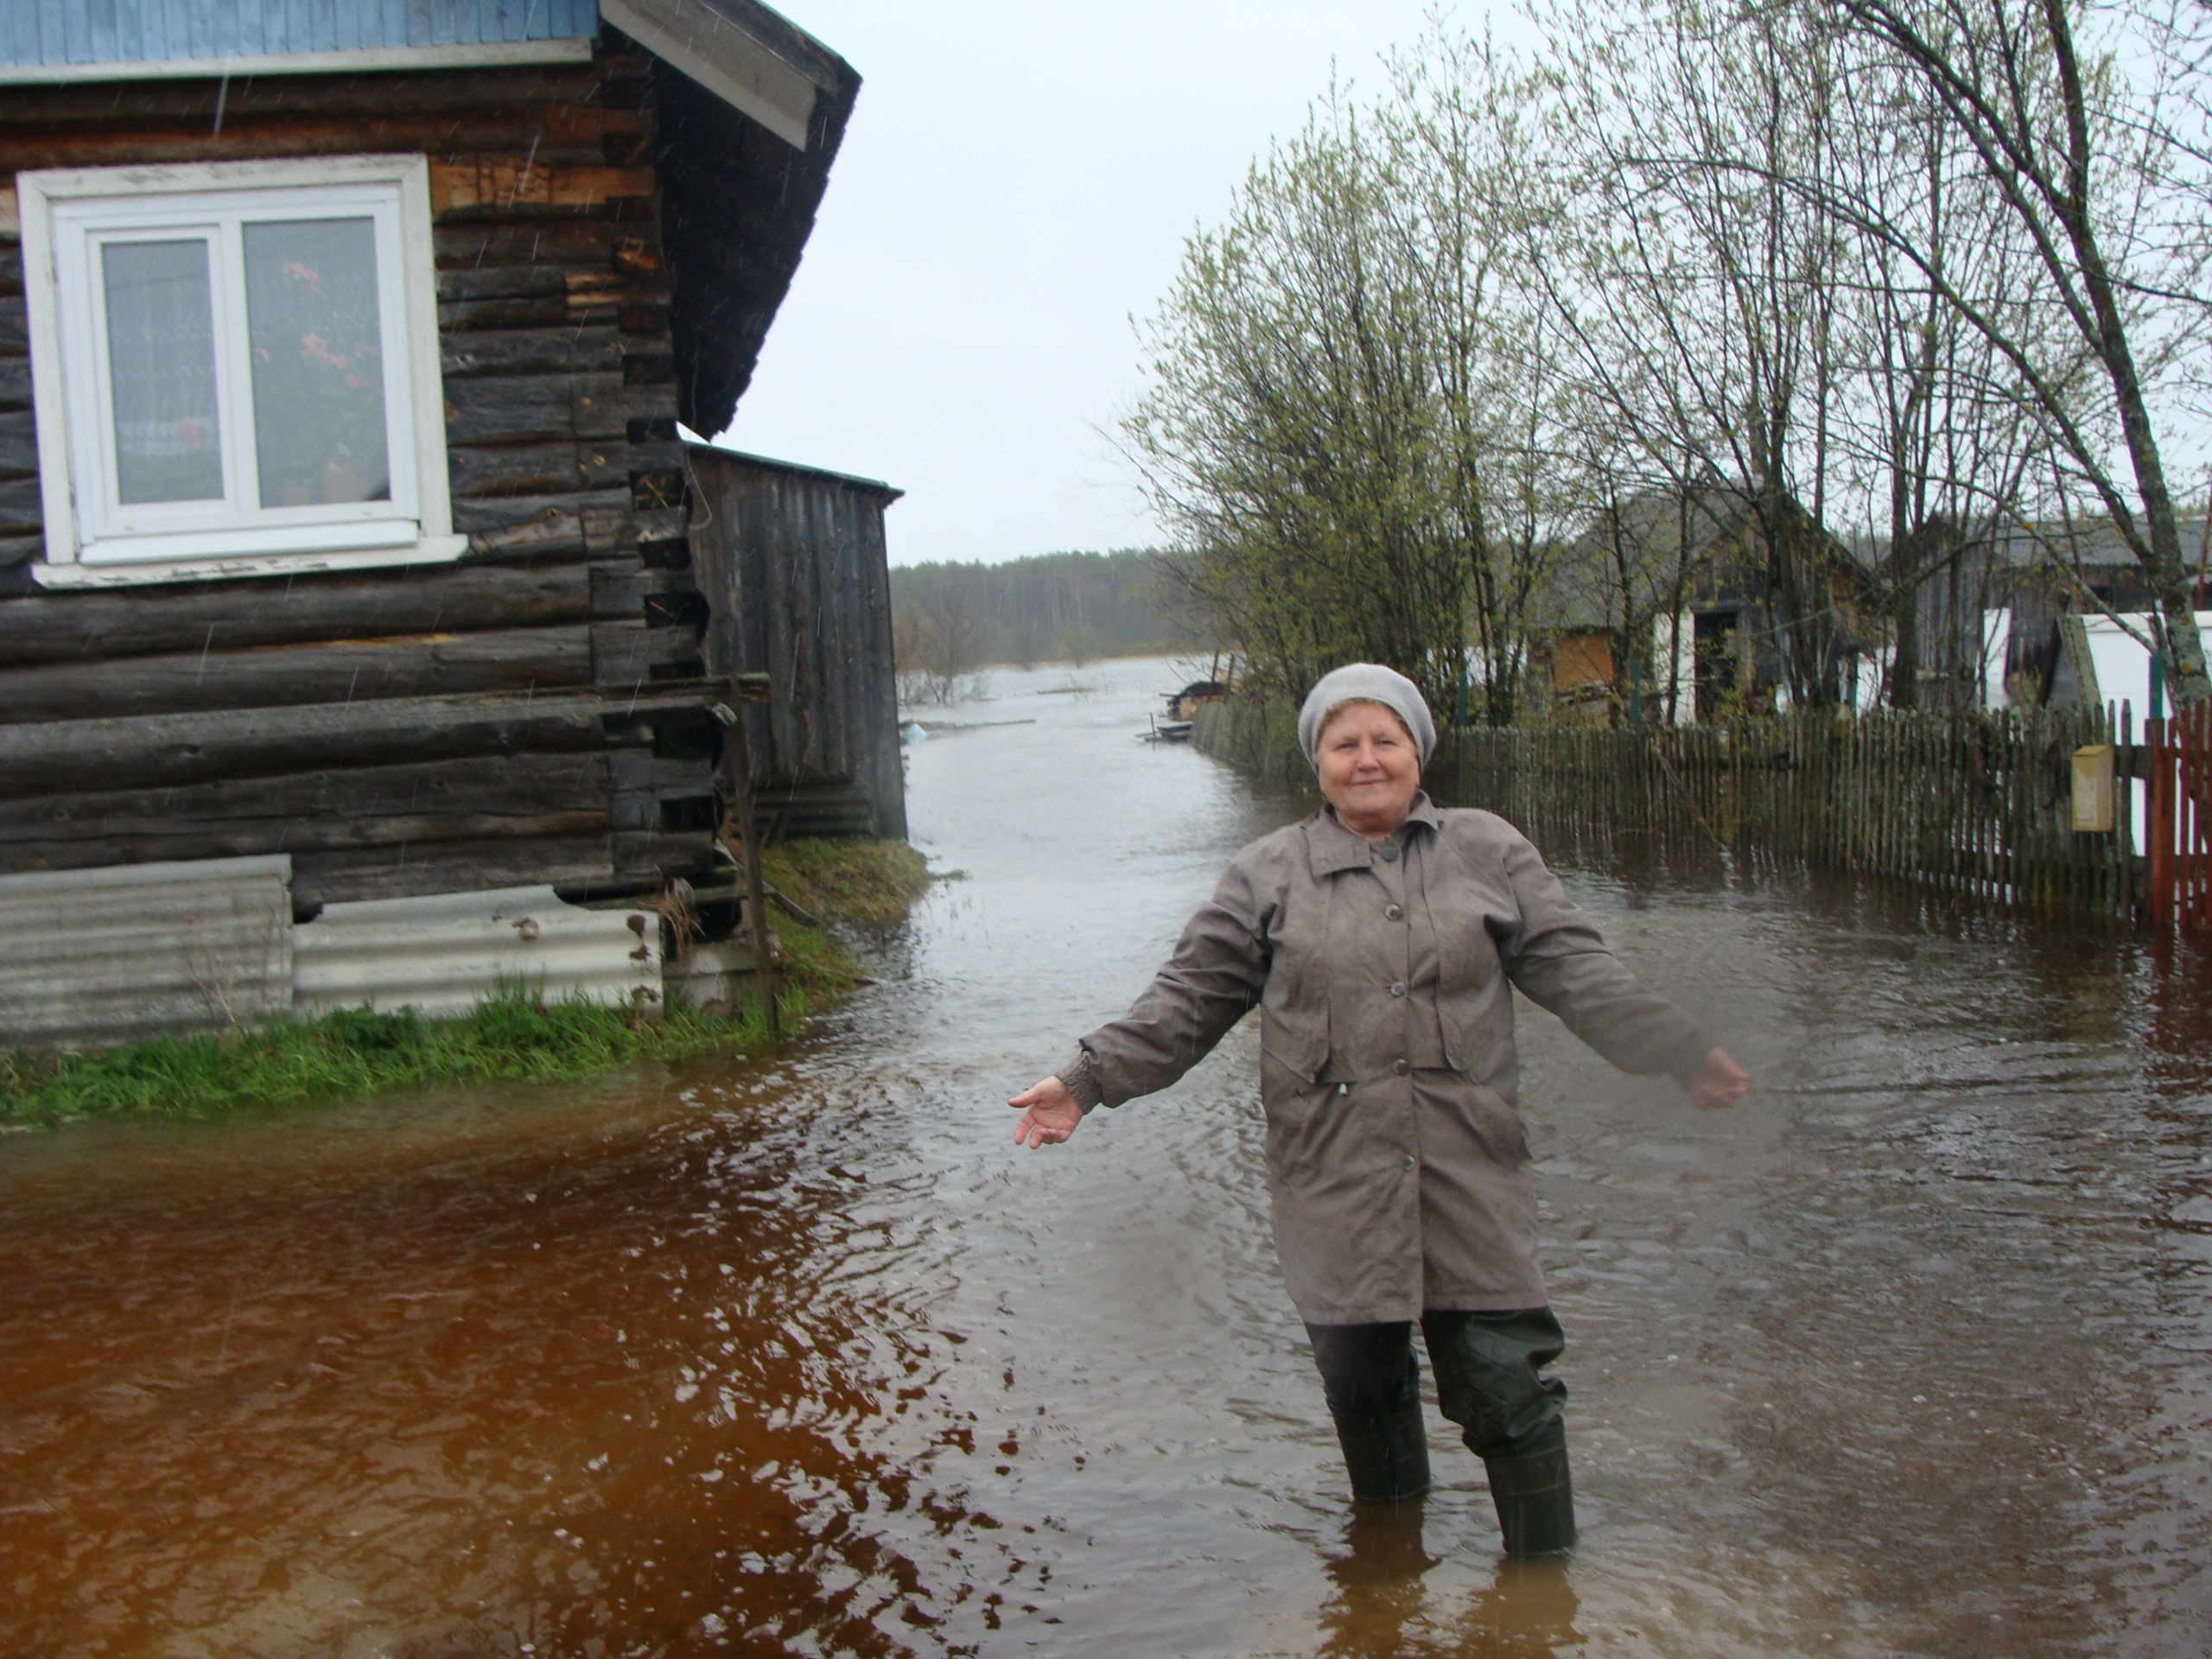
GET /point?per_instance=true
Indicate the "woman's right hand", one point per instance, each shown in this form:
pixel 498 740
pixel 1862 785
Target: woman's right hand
pixel 1049 1114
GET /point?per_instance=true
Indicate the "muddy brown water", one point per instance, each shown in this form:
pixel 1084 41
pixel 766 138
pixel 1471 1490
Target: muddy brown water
pixel 1907 1356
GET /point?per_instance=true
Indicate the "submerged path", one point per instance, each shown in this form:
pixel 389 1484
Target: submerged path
pixel 1907 1356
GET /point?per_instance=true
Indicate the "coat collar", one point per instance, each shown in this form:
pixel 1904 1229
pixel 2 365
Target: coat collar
pixel 1332 848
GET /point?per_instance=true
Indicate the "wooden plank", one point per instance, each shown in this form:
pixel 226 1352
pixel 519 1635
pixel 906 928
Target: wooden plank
pixel 65 627
pixel 415 665
pixel 147 750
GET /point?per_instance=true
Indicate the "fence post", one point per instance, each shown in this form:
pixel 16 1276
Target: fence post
pixel 2158 827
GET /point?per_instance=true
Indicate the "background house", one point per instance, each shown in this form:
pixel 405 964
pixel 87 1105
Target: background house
pixel 1694 573
pixel 343 517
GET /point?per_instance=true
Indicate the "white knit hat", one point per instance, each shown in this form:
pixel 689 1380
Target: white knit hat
pixel 1367 683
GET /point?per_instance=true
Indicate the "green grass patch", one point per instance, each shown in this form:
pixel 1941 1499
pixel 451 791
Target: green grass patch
pixel 513 1036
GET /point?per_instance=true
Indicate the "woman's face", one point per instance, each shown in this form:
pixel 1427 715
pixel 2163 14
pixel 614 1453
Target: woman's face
pixel 1368 768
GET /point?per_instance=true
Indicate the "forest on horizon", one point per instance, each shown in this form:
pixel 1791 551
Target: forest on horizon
pixel 950 618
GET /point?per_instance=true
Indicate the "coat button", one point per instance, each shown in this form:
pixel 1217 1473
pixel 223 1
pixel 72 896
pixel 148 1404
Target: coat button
pixel 1400 1067
pixel 1394 913
pixel 1409 1160
pixel 1398 989
pixel 1387 852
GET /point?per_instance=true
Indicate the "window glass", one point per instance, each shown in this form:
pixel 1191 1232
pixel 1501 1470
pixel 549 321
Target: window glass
pixel 315 329
pixel 161 343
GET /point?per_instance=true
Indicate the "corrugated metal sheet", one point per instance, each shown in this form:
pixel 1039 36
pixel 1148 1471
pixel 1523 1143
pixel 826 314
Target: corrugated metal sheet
pixel 446 952
pixel 51 33
pixel 109 955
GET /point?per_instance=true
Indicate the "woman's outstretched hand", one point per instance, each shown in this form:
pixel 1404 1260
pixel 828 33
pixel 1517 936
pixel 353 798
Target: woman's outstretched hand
pixel 1049 1114
pixel 1722 1083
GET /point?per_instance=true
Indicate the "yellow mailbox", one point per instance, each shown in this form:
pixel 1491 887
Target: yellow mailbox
pixel 2093 774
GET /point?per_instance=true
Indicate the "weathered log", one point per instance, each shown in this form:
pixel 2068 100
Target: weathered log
pixel 471 799
pixel 531 91
pixel 512 187
pixel 533 280
pixel 602 406
pixel 185 616
pixel 491 514
pixel 352 670
pixel 509 408
pixel 630 653
pixel 644 785
pixel 534 351
pixel 15 382
pixel 522 469
pixel 22 506
pixel 535 311
pixel 599 465
pixel 584 244
pixel 18 443
pixel 621 591
pixel 325 878
pixel 664 852
pixel 291 136
pixel 15 324
pixel 169 750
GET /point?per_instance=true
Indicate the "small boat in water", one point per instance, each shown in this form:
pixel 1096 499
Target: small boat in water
pixel 1166 731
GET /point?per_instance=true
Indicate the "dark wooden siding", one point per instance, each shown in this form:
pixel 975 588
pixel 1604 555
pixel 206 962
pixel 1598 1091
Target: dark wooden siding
pixel 791 564
pixel 378 726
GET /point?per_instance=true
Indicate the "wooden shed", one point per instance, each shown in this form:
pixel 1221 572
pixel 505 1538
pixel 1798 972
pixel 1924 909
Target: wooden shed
pixel 343 510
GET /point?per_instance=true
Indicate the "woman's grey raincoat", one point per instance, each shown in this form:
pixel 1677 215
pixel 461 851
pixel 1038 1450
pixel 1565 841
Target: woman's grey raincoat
pixel 1383 974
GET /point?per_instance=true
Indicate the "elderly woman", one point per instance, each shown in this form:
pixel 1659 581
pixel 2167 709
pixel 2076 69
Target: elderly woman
pixel 1382 938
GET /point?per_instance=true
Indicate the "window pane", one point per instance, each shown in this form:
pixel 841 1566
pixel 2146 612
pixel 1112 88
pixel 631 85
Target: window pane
pixel 161 348
pixel 314 325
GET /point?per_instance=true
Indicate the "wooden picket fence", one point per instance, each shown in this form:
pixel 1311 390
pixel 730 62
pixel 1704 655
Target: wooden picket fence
pixel 1978 803
pixel 2178 771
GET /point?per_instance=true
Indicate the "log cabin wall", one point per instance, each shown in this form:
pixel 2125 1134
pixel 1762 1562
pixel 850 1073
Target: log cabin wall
pixel 518 717
pixel 792 566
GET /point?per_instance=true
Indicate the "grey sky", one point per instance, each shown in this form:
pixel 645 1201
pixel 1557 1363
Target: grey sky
pixel 1017 179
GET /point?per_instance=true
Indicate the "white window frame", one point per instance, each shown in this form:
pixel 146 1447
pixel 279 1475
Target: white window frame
pixel 90 541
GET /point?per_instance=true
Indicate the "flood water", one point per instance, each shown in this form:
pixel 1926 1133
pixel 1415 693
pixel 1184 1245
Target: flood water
pixel 1906 1355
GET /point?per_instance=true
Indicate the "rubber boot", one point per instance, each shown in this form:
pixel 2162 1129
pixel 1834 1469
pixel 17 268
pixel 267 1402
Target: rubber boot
pixel 1386 1453
pixel 1533 1495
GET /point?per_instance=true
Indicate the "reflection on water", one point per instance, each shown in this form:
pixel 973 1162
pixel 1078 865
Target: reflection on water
pixel 801 1356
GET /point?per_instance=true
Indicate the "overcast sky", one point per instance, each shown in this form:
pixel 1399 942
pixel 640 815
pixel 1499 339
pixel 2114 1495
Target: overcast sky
pixel 1017 179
